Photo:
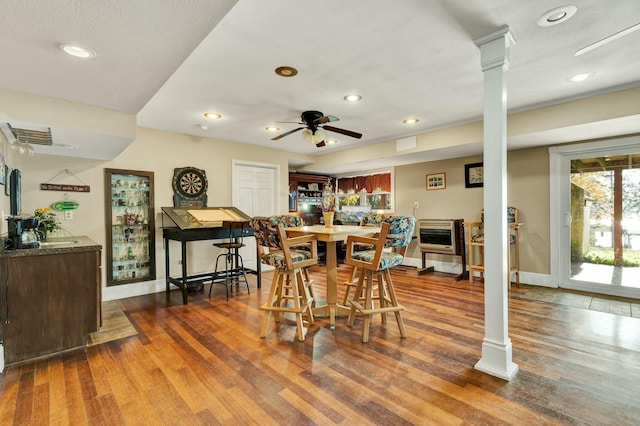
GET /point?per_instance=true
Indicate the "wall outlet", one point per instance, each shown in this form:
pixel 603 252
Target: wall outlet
pixel 68 215
pixel 416 205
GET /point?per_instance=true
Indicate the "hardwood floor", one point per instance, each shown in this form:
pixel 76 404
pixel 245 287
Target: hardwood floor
pixel 204 363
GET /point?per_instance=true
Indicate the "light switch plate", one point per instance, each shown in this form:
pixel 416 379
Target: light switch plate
pixel 68 215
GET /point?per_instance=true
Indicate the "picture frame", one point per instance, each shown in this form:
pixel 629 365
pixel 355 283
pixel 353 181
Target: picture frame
pixel 3 171
pixel 436 181
pixel 474 175
pixel 7 187
pixel 313 187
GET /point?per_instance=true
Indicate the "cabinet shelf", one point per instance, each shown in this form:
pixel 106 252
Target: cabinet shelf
pixel 130 226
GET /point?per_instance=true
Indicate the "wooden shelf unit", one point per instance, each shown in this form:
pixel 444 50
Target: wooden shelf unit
pixel 475 251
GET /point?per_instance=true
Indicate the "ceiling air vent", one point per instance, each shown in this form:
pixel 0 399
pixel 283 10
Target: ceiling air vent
pixel 34 137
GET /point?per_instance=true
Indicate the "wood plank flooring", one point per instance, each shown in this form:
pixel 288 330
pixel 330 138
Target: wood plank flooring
pixel 204 363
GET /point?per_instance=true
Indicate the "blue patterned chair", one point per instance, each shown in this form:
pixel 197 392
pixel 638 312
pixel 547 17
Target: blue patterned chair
pixel 368 219
pixel 396 233
pixel 289 257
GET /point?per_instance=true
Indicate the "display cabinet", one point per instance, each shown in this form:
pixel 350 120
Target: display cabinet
pixel 130 244
pixel 305 195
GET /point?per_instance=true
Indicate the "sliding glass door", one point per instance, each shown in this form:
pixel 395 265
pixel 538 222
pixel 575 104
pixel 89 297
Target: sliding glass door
pixel 599 218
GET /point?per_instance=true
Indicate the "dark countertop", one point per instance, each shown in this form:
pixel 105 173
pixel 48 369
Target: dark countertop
pixel 56 245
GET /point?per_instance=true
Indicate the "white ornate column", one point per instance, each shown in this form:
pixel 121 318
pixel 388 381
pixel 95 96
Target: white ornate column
pixel 496 346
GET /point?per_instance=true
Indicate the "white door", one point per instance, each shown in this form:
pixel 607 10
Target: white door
pixel 255 192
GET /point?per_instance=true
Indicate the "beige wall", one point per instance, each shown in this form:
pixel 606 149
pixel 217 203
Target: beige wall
pixel 528 190
pixel 155 151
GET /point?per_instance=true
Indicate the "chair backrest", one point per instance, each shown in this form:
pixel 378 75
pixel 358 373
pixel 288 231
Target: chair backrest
pixel 372 259
pixel 400 232
pixel 232 227
pixel 372 219
pixel 294 257
pixel 265 229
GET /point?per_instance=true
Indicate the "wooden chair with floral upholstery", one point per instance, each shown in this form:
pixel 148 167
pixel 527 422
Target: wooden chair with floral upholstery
pixel 369 219
pixel 289 256
pixel 396 234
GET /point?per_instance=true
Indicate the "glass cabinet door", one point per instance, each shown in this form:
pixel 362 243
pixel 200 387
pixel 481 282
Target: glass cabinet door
pixel 130 226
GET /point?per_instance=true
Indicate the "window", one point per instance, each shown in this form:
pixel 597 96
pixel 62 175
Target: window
pixel 370 190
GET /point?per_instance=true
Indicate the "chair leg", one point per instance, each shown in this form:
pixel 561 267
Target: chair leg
pixel 271 299
pixel 295 290
pixel 394 302
pixel 359 287
pixel 367 303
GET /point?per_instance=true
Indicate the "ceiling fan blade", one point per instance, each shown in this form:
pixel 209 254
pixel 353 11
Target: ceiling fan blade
pixel 608 39
pixel 320 144
pixel 344 132
pixel 282 135
pixel 326 119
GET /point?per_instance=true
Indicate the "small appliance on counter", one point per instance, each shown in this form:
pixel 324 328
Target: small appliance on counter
pixel 23 233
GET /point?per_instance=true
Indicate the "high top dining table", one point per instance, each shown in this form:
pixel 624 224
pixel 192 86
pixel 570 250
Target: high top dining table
pixel 331 235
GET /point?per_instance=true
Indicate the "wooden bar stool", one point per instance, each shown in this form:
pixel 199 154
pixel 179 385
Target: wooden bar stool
pixel 289 292
pixel 396 232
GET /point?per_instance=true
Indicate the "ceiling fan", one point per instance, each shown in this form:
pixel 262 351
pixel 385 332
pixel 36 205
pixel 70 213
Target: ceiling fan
pixel 608 39
pixel 313 121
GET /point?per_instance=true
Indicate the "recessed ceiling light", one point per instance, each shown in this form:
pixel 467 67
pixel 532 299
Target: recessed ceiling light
pixel 286 71
pixel 331 141
pixel 212 115
pixel 581 77
pixel 352 98
pixel 557 16
pixel 410 121
pixel 272 129
pixel 77 50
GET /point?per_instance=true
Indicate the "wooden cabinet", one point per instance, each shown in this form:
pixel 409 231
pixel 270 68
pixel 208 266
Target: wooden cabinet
pixel 305 195
pixel 51 302
pixel 130 251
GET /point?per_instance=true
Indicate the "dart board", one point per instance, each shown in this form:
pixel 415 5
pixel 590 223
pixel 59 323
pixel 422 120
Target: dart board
pixel 189 187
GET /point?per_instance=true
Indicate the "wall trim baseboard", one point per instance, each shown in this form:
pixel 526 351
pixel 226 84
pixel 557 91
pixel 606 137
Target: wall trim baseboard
pixel 530 278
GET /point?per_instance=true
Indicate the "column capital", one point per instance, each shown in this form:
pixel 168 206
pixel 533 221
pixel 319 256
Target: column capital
pixel 494 48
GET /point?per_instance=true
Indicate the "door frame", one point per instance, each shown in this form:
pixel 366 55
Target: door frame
pixel 560 209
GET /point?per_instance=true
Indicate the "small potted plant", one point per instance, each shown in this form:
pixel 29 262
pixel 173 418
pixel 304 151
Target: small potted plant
pixel 328 203
pixel 48 222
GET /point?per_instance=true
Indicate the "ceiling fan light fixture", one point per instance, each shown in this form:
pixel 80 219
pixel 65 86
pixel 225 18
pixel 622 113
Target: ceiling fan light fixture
pixel 312 137
pixel 352 98
pixel 212 115
pixel 410 121
pixel 286 71
pixel 557 16
pixel 77 50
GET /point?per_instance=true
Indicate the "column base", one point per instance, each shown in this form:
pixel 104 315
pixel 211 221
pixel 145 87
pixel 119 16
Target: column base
pixel 496 360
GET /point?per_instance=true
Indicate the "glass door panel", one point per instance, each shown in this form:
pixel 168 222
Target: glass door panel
pixel 605 223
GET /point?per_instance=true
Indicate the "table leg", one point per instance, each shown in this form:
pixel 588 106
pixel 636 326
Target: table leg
pixel 184 273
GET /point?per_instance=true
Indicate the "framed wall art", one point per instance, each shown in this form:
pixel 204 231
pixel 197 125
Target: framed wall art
pixel 436 181
pixel 473 175
pixel 3 171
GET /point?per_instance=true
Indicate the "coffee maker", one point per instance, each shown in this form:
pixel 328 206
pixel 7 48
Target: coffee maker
pixel 23 232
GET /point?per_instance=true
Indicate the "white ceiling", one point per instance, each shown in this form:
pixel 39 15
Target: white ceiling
pixel 171 61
